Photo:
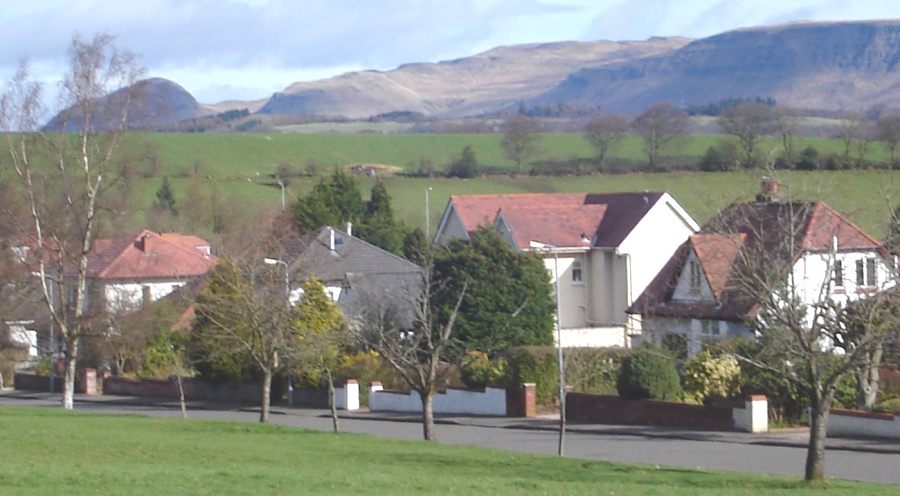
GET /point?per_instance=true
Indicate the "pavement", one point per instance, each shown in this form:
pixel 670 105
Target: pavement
pixel 796 437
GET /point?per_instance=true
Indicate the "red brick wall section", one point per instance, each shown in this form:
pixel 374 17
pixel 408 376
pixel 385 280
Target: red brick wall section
pixel 614 410
pixel 521 402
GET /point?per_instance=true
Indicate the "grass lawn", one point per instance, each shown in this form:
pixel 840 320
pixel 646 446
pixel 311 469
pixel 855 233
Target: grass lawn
pixel 49 451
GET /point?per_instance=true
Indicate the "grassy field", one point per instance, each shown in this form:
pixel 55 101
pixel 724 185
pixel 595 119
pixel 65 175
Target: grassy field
pixel 49 451
pixel 241 165
pixel 866 197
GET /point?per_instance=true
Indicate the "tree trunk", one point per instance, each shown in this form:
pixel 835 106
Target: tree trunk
pixel 815 454
pixel 181 396
pixel 68 399
pixel 867 381
pixel 331 401
pixel 428 416
pixel 266 396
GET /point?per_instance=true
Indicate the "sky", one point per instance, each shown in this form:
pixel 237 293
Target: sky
pixel 248 49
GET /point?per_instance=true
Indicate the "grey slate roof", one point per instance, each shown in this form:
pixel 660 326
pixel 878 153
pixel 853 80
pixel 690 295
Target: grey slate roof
pixel 364 270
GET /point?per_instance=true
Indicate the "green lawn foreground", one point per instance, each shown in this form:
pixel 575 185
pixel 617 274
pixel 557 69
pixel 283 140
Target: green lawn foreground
pixel 49 451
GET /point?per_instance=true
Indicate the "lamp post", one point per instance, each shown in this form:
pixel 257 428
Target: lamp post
pixel 562 367
pixel 281 183
pixel 559 352
pixel 287 302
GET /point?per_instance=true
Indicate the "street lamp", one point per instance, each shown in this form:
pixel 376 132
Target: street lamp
pixel 559 351
pixel 287 302
pixel 280 183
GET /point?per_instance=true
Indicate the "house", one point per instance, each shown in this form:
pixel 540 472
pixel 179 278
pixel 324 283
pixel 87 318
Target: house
pixel 355 273
pixel 124 273
pixel 601 249
pixel 704 292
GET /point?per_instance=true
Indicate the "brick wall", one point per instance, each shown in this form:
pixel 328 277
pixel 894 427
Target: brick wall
pixel 615 410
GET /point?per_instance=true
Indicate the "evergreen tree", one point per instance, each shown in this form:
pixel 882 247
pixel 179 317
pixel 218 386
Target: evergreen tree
pixel 334 201
pixel 416 246
pixel 165 198
pixel 379 225
pixel 508 302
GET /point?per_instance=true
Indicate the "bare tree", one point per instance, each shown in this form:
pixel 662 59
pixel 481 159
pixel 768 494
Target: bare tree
pixel 521 139
pixel 887 131
pixel 806 332
pixel 65 176
pixel 660 126
pixel 605 131
pixel 787 124
pixel 416 353
pixel 749 122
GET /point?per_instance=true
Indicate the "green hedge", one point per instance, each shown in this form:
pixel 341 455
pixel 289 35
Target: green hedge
pixel 588 370
pixel 649 373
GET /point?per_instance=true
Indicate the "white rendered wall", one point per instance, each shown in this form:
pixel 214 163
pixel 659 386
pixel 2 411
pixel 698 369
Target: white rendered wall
pixel 490 402
pixel 841 424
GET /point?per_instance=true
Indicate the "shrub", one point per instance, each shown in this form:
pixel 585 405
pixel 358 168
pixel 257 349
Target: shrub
pixel 479 371
pixel 888 406
pixel 536 364
pixel 648 373
pixel 593 370
pixel 709 376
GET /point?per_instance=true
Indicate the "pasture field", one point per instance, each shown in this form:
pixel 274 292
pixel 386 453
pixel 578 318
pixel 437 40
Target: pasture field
pixel 51 451
pixel 866 197
pixel 241 166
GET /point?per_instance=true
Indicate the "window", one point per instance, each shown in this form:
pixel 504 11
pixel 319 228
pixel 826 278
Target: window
pixel 696 275
pixel 576 271
pixel 709 327
pixel 838 273
pixel 866 272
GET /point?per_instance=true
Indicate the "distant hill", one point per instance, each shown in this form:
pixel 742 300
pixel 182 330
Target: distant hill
pixel 155 102
pixel 828 66
pixel 486 82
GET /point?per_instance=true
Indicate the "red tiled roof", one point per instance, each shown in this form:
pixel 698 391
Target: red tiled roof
pixel 553 225
pixel 717 253
pixel 150 255
pixel 559 219
pixel 774 234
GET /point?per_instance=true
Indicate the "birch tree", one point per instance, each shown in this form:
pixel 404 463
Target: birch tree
pixel 64 176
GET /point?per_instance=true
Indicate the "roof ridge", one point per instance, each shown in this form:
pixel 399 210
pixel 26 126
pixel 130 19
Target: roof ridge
pixel 121 252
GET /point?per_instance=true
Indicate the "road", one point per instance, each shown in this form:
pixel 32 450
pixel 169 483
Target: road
pixel 654 450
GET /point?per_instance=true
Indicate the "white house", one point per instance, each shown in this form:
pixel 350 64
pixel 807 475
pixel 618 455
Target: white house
pixel 125 273
pixel 703 291
pixel 601 249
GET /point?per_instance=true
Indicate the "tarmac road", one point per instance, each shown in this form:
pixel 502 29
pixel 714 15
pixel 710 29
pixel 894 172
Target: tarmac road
pixel 866 460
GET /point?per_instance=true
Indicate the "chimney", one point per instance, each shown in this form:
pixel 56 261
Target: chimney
pixel 146 244
pixel 349 229
pixel 331 238
pixel 768 191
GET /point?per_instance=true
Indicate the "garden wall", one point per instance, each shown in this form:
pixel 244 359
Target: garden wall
pixel 752 416
pixel 490 401
pixel 853 423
